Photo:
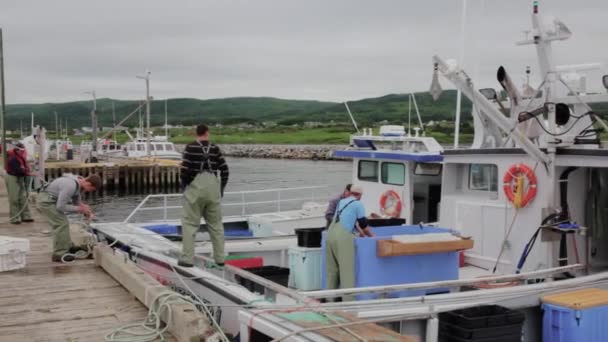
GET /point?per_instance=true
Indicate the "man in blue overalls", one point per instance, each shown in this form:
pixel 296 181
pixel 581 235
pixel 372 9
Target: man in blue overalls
pixel 340 249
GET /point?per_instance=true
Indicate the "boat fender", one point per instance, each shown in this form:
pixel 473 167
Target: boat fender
pixel 390 204
pixel 513 185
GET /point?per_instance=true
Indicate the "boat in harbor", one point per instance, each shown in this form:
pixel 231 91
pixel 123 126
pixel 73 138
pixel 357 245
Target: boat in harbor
pixel 160 147
pixel 525 203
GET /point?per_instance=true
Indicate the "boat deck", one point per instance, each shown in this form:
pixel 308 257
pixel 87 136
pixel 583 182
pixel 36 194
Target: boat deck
pixel 47 301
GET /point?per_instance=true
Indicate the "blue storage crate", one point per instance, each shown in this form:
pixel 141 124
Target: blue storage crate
pixel 371 270
pixel 238 233
pixel 562 324
pixel 164 229
pixel 305 268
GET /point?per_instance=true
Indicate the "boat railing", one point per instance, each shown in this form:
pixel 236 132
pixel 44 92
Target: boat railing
pixel 238 203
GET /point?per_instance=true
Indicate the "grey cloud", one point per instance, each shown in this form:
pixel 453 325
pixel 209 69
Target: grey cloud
pixel 326 50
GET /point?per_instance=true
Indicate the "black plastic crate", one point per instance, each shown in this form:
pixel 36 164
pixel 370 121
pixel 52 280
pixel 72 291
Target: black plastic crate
pixel 512 338
pixel 485 316
pixel 478 334
pixel 279 275
pixel 386 222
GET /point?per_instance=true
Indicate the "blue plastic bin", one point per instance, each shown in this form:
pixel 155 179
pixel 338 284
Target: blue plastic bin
pixel 371 270
pixel 238 233
pixel 164 229
pixel 562 324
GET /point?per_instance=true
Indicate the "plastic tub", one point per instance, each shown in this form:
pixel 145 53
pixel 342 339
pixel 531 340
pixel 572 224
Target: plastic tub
pixel 305 268
pixel 279 275
pixel 561 324
pixel 309 237
pixel 13 252
pixel 480 317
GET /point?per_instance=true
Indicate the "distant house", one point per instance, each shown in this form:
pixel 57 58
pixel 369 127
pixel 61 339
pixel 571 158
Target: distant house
pixel 245 125
pixel 431 123
pixel 86 129
pixel 312 124
pixel 269 124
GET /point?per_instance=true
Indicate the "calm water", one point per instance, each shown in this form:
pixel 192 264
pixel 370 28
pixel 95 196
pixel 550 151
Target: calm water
pixel 248 174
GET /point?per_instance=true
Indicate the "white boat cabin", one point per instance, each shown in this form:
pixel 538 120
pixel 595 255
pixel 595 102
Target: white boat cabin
pixel 158 149
pixel 400 175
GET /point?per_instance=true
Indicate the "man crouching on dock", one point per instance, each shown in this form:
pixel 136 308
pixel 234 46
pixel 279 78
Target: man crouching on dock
pixel 60 197
pixel 203 192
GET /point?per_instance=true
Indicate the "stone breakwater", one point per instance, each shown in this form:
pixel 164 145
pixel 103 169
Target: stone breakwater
pixel 309 152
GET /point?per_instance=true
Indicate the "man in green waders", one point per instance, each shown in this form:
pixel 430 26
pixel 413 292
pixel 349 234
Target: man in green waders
pixel 60 197
pixel 340 248
pixel 17 172
pixel 202 163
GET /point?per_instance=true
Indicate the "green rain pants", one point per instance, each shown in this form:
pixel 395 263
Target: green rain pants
pixel 17 198
pixel 47 204
pixel 340 258
pixel 202 198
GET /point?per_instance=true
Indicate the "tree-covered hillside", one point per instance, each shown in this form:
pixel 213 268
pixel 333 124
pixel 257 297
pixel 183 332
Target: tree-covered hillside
pixel 393 108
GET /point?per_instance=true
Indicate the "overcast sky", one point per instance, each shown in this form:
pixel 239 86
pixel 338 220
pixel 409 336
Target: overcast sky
pixel 309 49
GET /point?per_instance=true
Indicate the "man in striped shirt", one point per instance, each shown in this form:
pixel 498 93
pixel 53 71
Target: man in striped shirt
pixel 202 163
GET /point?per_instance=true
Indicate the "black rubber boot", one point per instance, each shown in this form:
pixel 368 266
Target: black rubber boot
pixel 63 258
pixel 184 264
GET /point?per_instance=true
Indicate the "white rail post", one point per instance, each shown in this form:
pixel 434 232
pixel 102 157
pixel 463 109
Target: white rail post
pixel 279 201
pixel 165 208
pixel 243 203
pixel 432 329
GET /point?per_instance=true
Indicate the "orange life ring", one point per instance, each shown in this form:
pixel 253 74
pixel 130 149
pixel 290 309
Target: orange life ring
pixel 515 190
pixel 390 204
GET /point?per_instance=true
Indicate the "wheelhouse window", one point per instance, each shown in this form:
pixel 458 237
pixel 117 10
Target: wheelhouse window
pixel 140 147
pixel 368 171
pixel 168 147
pixel 483 177
pixel 393 173
pixel 158 147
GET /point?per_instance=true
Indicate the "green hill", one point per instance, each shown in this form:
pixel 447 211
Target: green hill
pixel 187 111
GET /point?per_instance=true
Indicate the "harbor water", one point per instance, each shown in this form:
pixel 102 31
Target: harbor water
pixel 248 174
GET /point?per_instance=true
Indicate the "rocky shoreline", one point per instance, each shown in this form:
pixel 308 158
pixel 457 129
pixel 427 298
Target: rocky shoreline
pixel 306 152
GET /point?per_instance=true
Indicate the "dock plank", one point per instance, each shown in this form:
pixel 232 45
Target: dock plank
pixel 49 301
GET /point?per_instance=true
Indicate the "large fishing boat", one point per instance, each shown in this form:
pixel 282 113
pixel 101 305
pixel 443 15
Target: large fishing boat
pixel 525 202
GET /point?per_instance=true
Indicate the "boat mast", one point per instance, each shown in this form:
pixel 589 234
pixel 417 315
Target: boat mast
pixel 146 78
pixel 409 116
pixel 461 61
pixel 114 120
pixel 166 128
pixel 351 117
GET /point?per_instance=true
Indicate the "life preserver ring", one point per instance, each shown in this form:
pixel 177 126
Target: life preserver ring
pixel 513 185
pixel 390 204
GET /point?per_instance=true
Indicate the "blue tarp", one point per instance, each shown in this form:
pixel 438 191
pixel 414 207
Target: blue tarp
pixel 371 270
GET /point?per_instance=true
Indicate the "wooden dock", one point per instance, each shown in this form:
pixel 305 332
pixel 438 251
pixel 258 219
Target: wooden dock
pixel 48 301
pixel 124 177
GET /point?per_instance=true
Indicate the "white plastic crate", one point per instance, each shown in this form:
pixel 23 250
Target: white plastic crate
pixel 13 252
pixel 305 268
pixel 260 227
